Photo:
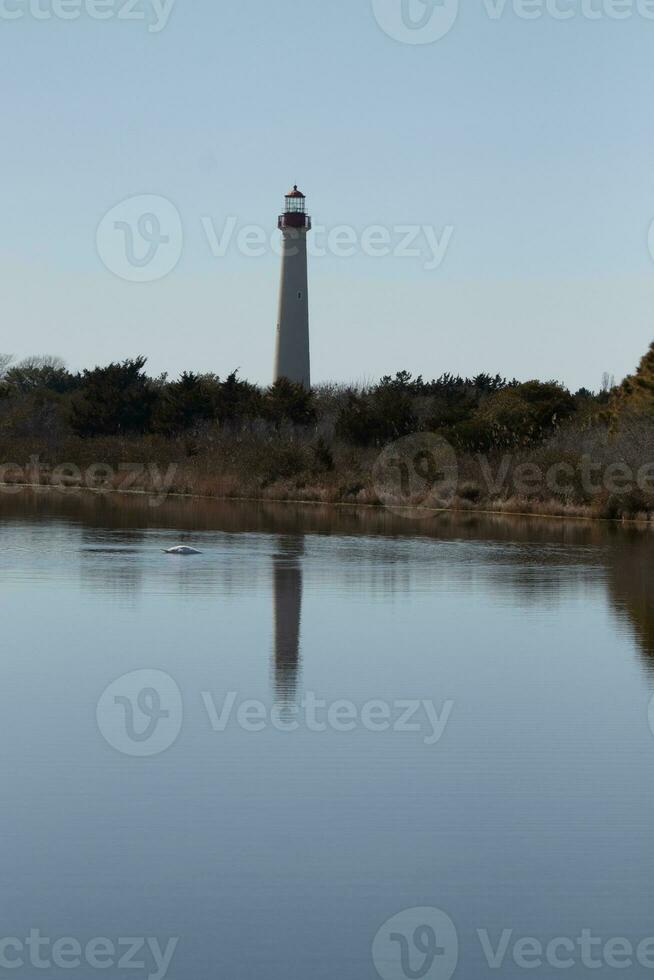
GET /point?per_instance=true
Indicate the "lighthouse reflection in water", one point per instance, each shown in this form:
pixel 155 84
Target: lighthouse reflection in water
pixel 287 598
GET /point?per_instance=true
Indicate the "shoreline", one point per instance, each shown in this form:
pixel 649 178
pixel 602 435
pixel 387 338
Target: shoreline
pixel 411 512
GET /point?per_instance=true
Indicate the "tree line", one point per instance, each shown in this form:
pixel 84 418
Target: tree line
pixel 121 399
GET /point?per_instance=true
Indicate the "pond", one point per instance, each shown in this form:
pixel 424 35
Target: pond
pixel 335 744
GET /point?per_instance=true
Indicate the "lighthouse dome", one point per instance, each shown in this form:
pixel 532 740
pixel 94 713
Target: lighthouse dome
pixel 295 192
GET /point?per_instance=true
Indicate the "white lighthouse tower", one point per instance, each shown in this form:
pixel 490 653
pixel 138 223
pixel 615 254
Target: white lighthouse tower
pixel 292 347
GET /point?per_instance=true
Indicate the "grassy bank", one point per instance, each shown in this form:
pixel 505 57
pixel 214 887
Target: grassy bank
pixel 603 476
pixel 463 444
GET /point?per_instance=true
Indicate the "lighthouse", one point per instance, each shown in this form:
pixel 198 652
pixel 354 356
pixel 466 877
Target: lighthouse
pixel 292 346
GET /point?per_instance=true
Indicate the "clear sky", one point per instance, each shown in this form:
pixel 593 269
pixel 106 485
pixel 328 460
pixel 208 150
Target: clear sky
pixel 524 145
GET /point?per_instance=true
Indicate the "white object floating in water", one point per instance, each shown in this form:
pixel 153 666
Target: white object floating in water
pixel 182 550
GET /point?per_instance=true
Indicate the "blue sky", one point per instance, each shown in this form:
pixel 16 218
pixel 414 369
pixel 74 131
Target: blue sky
pixel 530 140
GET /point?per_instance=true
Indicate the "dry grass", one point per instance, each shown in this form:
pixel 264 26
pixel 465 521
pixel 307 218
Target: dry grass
pixel 292 466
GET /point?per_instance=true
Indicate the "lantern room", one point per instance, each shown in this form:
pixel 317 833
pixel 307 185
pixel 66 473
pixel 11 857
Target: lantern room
pixel 295 201
pixel 295 213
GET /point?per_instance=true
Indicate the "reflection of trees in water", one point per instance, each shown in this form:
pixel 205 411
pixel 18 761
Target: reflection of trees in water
pixel 620 559
pixel 530 560
pixel 631 587
pixel 111 560
pixel 142 512
pixel 287 600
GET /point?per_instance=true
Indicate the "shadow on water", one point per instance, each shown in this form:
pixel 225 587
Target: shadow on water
pixel 531 559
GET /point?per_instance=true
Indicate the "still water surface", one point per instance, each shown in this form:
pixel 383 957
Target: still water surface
pixel 281 853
